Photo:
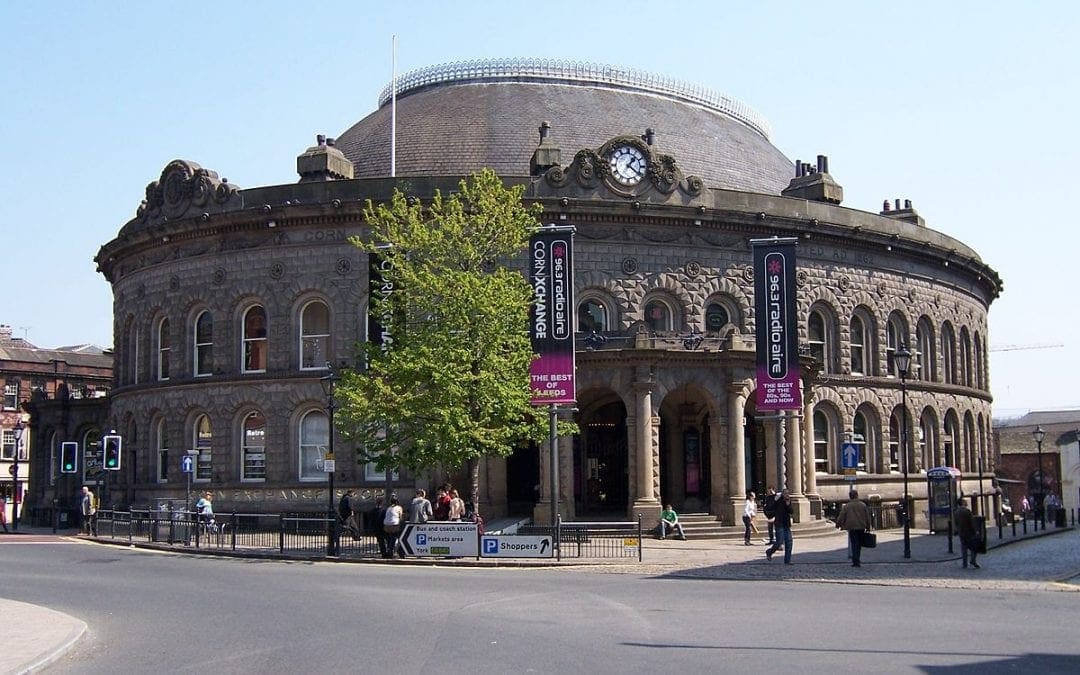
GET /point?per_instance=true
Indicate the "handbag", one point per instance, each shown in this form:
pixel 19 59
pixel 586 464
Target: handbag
pixel 868 539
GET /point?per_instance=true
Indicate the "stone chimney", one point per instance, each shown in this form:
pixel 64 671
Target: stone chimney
pixel 5 334
pixel 907 212
pixel 546 154
pixel 323 162
pixel 814 183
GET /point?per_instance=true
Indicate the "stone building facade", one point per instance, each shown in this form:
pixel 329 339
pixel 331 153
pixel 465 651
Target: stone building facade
pixel 230 302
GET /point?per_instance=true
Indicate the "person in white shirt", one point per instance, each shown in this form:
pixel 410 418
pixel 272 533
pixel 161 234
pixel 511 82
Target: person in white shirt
pixel 749 511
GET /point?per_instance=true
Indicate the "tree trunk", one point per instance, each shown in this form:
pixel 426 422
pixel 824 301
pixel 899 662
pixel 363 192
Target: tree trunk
pixel 473 466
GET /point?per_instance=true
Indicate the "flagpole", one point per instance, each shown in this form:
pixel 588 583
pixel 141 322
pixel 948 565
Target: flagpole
pixel 393 106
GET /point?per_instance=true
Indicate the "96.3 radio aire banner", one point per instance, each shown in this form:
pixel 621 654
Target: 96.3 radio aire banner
pixel 551 319
pixel 777 330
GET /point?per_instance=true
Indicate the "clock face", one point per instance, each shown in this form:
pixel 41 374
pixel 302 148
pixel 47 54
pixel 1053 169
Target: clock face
pixel 627 165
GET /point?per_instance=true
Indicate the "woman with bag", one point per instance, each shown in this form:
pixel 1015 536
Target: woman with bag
pixel 855 518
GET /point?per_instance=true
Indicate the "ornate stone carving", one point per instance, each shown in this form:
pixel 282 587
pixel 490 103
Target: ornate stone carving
pixel 590 169
pixel 277 270
pixel 220 275
pixel 801 278
pixel 748 274
pixel 844 283
pixel 693 268
pixel 184 186
pixel 343 266
pixel 629 265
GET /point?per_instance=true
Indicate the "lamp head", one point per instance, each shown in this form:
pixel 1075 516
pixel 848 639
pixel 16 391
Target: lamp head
pixel 1038 434
pixel 903 360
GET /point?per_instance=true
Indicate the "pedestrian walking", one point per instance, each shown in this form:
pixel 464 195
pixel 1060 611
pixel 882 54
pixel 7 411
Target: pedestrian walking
pixel 768 507
pixel 855 518
pixel 88 509
pixel 457 506
pixel 969 536
pixel 783 528
pixel 749 511
pixel 392 527
pixel 3 512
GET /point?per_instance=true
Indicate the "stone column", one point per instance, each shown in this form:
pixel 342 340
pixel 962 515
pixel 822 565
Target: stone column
pixel 797 469
pixel 719 472
pixel 566 478
pixel 542 511
pixel 646 503
pixel 736 452
pixel 807 439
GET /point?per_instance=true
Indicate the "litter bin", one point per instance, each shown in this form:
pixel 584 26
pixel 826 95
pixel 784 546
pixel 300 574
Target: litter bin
pixel 1059 517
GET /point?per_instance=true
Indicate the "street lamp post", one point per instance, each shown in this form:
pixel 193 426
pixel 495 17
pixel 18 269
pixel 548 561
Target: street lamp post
pixel 902 357
pixel 1040 498
pixel 18 431
pixel 328 382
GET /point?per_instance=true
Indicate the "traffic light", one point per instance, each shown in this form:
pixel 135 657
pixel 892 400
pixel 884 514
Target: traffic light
pixel 112 452
pixel 69 450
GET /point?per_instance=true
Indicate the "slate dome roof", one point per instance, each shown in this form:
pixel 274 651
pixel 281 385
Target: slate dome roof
pixel 457 118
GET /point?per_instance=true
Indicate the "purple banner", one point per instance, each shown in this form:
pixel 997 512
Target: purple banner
pixel 551 318
pixel 777 328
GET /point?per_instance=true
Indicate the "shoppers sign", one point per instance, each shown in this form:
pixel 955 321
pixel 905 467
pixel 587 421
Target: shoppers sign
pixel 776 330
pixel 551 319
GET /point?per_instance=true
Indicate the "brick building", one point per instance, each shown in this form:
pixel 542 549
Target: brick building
pixel 1018 456
pixel 229 302
pixel 74 375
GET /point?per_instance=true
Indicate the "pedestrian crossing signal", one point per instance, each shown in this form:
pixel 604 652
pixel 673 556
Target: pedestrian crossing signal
pixel 68 452
pixel 112 452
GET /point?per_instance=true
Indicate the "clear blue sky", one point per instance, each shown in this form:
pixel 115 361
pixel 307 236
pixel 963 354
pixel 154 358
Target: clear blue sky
pixel 966 108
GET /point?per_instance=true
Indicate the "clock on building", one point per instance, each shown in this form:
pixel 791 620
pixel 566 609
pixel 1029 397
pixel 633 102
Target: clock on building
pixel 627 164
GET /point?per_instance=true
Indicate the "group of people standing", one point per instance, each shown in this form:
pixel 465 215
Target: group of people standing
pixel 386 520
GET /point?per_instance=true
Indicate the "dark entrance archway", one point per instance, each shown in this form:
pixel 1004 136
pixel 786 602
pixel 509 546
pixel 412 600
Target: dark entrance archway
pixel 600 462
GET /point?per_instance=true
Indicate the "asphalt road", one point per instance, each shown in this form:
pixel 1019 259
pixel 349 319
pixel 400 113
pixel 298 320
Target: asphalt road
pixel 154 612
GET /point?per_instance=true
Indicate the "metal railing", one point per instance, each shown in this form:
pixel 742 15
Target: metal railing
pixel 591 539
pixel 304 535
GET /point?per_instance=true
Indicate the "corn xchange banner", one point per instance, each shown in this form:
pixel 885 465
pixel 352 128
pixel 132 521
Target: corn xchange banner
pixel 551 319
pixel 777 330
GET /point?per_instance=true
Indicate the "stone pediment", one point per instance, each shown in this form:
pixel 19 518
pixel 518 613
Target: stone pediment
pixel 185 189
pixel 594 172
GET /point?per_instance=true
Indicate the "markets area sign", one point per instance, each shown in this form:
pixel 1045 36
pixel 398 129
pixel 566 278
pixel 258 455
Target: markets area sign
pixel 449 539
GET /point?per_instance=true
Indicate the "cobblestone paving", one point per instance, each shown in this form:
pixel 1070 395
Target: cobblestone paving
pixel 1045 562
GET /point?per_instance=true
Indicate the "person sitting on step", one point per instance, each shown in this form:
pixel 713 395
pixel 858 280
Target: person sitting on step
pixel 669 520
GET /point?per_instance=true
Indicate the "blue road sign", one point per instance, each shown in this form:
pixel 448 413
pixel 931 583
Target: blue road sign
pixel 849 456
pixel 186 464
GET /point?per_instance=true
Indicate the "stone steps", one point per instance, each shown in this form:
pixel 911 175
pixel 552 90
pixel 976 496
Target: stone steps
pixel 706 526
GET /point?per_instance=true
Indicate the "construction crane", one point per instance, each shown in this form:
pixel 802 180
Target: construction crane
pixel 1015 348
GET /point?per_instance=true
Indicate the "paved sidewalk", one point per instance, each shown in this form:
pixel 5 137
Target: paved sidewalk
pixel 35 636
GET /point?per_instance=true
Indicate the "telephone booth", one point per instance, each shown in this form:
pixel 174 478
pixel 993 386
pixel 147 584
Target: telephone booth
pixel 943 488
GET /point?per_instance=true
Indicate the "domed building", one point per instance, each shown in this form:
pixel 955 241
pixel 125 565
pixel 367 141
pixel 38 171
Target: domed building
pixel 230 302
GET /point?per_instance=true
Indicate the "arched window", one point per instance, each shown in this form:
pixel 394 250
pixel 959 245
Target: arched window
pixel 161 434
pixel 817 337
pixel 971 450
pixel 896 449
pixel 716 317
pixel 314 336
pixel 950 442
pixel 253 451
pixel 314 441
pixel 928 441
pixel 948 353
pixel 202 443
pixel 93 464
pixel 204 344
pixel 163 349
pixel 822 442
pixel 861 438
pixel 924 341
pixel 592 316
pixel 978 359
pixel 895 335
pixel 861 346
pixel 965 357
pixel 658 316
pixel 255 340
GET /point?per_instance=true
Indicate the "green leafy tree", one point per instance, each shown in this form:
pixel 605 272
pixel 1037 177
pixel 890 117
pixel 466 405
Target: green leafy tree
pixel 453 386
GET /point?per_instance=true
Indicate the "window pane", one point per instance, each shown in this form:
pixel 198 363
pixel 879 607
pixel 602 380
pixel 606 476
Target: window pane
pixel 254 450
pixel 204 344
pixel 314 441
pixel 592 316
pixel 314 336
pixel 255 340
pixel 204 446
pixel 657 316
pixel 716 317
